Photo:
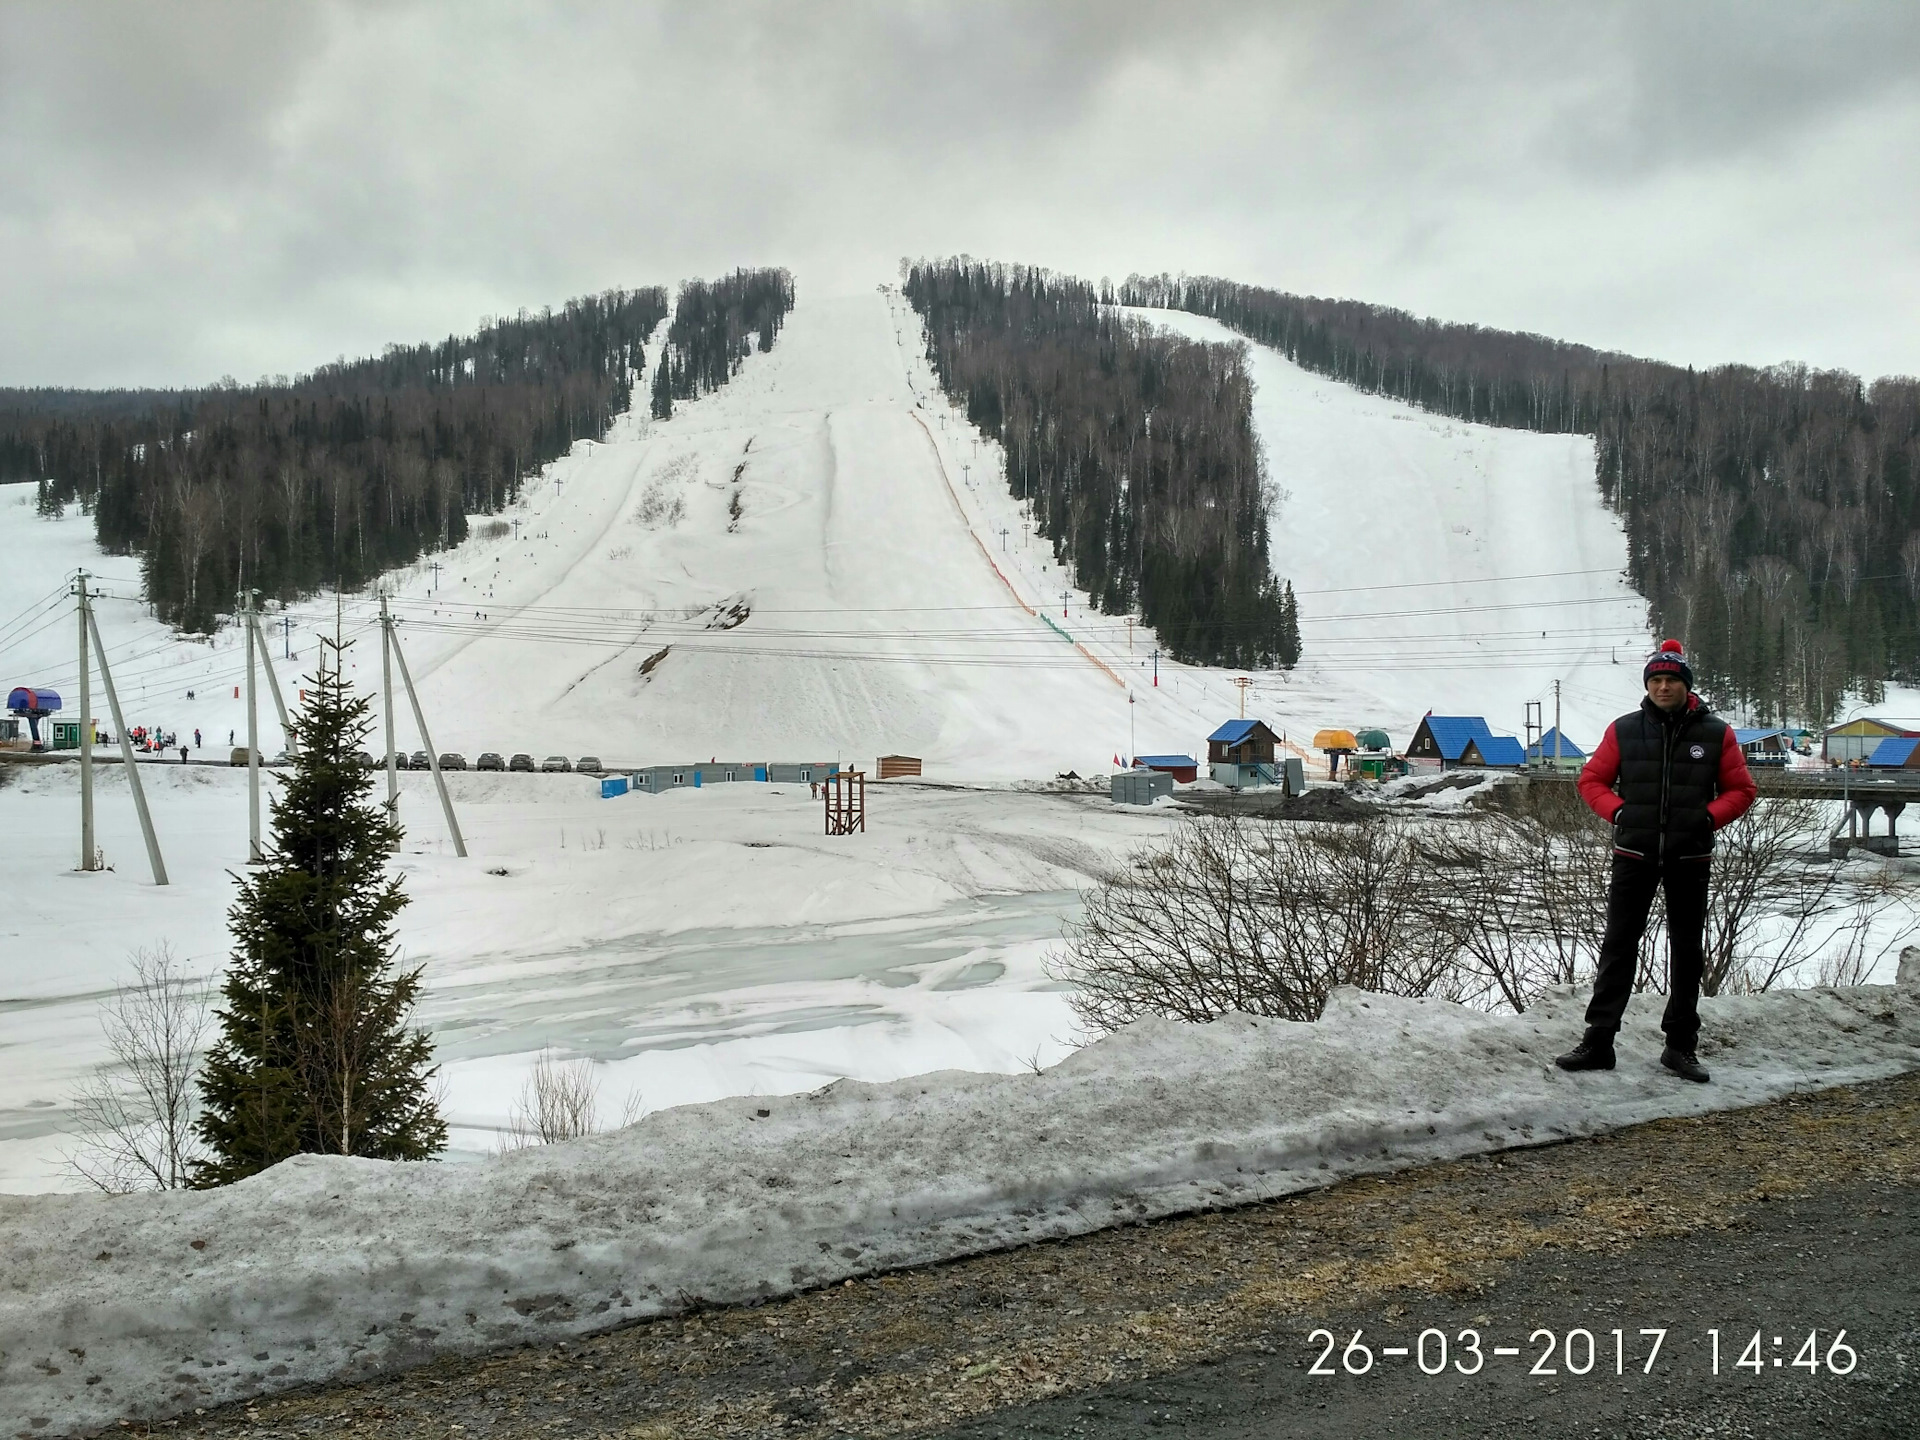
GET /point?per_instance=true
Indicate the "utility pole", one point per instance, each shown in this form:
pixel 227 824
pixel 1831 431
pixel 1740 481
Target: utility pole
pixel 436 568
pixel 1156 667
pixel 126 752
pixel 286 631
pixel 254 854
pixel 273 688
pixel 1556 725
pixel 86 734
pixel 386 703
pixel 433 756
pixel 1129 634
pixel 1065 595
pixel 1243 682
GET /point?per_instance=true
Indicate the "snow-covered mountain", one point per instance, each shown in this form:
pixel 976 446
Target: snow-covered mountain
pixel 833 568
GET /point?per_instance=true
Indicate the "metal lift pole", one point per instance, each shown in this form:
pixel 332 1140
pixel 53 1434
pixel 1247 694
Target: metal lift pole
pixel 86 735
pixel 126 754
pixel 254 855
pixel 433 756
pixel 386 704
pixel 273 687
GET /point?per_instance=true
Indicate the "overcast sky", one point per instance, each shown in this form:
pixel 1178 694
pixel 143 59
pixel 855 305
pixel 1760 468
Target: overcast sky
pixel 190 190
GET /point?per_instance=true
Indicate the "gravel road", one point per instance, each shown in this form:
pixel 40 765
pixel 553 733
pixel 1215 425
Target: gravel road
pixel 1795 1217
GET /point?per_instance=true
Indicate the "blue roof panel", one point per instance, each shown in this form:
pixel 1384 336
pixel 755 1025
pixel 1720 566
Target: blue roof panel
pixel 1894 751
pixel 1452 732
pixel 1501 750
pixel 1747 737
pixel 1233 732
pixel 1165 762
pixel 1568 750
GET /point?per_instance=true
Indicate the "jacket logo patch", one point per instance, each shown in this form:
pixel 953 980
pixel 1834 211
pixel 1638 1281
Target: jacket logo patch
pixel 1698 752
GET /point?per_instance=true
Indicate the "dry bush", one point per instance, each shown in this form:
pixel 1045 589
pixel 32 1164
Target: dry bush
pixel 135 1117
pixel 560 1101
pixel 1779 907
pixel 1257 916
pixel 1267 917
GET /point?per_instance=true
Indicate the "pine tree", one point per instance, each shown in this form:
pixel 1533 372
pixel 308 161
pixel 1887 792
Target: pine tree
pixel 1289 628
pixel 315 1055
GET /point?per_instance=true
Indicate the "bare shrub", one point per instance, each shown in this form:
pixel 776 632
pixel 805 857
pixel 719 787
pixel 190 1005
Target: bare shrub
pixel 1262 917
pixel 1779 908
pixel 136 1116
pixel 560 1101
pixel 1524 892
pixel 494 529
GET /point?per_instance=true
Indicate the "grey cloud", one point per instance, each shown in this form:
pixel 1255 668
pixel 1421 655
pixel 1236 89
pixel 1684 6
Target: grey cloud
pixel 196 189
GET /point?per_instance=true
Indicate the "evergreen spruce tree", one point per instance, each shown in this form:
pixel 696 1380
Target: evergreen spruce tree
pixel 1289 628
pixel 315 1055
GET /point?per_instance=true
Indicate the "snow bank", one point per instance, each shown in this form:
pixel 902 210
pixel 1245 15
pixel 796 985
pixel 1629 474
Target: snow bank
pixel 148 1305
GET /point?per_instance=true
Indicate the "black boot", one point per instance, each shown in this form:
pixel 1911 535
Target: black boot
pixel 1594 1052
pixel 1683 1064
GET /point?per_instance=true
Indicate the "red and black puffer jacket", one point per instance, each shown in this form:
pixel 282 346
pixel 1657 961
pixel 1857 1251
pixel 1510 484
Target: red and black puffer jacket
pixel 1666 782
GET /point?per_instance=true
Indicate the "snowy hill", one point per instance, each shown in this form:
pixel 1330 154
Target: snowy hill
pixel 834 570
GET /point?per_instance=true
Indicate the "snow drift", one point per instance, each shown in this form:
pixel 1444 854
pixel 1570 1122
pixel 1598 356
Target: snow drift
pixel 142 1306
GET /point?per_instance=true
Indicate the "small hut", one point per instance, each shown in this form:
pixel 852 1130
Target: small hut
pixel 890 766
pixel 1770 747
pixel 1183 768
pixel 1240 755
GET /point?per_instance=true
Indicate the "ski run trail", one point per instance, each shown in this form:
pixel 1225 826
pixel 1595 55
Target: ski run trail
pixel 849 1051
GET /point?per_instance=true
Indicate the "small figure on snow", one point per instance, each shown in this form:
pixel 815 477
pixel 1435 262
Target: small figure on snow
pixel 1666 777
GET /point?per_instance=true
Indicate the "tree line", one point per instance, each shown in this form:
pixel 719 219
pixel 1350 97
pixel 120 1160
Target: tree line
pixel 715 327
pixel 330 478
pixel 1772 515
pixel 1135 450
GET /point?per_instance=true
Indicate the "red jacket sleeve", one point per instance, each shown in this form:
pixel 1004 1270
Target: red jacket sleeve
pixel 1737 790
pixel 1599 773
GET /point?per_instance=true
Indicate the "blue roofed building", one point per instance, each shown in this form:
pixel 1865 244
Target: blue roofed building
pixel 1555 749
pixel 1764 747
pixel 1183 768
pixel 1240 755
pixel 1452 741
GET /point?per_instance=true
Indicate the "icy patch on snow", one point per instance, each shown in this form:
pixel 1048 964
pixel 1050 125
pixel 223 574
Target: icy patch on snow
pixel 323 1268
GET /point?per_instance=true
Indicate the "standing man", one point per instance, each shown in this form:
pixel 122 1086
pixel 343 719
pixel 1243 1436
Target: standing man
pixel 1665 777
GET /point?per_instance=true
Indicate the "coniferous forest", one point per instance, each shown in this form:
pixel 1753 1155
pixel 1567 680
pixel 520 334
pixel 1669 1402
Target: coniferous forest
pixel 1135 449
pixel 1772 516
pixel 715 327
pixel 333 477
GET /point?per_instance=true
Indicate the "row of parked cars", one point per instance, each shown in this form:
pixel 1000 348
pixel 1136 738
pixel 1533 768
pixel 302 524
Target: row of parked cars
pixel 490 760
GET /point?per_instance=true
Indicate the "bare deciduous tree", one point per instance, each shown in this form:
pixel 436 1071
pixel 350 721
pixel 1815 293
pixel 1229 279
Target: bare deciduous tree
pixel 135 1117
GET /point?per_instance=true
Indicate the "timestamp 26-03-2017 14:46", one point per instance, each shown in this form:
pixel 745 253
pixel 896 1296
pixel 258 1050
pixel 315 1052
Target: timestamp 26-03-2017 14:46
pixel 1580 1351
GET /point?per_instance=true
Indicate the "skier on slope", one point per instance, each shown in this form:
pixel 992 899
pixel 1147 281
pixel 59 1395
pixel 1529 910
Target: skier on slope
pixel 1666 777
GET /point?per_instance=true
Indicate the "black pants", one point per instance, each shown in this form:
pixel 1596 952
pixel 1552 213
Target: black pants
pixel 1629 898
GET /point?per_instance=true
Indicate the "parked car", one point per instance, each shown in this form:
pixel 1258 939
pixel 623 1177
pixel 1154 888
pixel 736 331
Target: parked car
pixel 555 764
pixel 239 756
pixel 421 761
pixel 490 760
pixel 522 761
pixel 364 760
pixel 453 760
pixel 590 765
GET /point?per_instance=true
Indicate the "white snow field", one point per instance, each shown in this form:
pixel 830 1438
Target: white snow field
pixel 147 1305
